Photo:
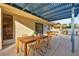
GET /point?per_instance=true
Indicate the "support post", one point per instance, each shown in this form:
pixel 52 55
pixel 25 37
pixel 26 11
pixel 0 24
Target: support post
pixel 72 30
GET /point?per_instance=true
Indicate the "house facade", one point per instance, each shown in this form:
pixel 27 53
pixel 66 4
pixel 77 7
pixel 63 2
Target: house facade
pixel 23 23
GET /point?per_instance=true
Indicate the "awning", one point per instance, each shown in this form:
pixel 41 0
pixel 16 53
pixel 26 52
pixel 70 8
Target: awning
pixel 48 11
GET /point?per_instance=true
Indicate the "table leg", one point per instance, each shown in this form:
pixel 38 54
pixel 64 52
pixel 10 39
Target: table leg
pixel 17 46
pixel 25 50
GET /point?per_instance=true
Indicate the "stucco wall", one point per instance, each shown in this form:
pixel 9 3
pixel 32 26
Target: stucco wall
pixel 24 26
pixel 24 21
pixel 0 32
pixel 45 29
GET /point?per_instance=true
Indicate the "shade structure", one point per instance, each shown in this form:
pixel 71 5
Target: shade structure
pixel 48 11
pixel 52 12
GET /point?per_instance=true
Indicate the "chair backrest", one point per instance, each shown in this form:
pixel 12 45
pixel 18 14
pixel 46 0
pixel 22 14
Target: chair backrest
pixel 38 42
pixel 49 34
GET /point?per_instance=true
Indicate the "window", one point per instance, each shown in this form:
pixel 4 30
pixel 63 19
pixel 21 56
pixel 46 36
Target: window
pixel 39 28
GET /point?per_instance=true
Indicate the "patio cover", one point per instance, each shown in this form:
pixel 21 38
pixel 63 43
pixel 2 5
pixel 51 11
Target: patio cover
pixel 52 12
pixel 48 11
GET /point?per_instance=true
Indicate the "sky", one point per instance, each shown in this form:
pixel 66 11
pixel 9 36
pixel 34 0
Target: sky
pixel 67 21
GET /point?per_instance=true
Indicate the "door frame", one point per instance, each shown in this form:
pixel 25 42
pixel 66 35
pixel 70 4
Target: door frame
pixel 13 27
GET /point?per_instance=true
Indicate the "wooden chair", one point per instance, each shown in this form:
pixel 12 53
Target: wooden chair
pixel 47 42
pixel 36 47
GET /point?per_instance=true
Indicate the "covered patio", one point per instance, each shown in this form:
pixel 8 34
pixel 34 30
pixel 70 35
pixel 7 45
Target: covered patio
pixel 61 45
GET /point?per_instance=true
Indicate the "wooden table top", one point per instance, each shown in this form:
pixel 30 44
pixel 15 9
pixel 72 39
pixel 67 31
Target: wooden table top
pixel 29 39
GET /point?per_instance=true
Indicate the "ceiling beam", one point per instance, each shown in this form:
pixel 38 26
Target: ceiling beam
pixel 26 5
pixel 51 8
pixel 39 7
pixel 55 19
pixel 61 16
pixel 56 10
pixel 61 12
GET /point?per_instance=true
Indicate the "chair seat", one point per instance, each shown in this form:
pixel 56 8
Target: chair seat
pixel 33 46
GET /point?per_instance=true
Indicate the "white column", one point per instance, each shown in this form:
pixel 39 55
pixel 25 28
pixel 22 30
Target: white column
pixel 0 30
pixel 72 30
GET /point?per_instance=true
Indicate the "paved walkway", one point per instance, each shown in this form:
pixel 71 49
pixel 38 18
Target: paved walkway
pixel 60 46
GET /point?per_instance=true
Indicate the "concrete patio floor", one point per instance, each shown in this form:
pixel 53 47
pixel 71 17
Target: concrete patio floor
pixel 60 46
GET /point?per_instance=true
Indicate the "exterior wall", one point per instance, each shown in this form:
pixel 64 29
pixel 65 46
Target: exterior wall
pixel 45 29
pixel 24 26
pixel 24 22
pixel 22 30
pixel 0 31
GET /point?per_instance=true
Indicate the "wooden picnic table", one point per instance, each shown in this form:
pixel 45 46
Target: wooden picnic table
pixel 26 40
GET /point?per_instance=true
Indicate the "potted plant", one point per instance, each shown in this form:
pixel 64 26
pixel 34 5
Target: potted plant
pixel 34 33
